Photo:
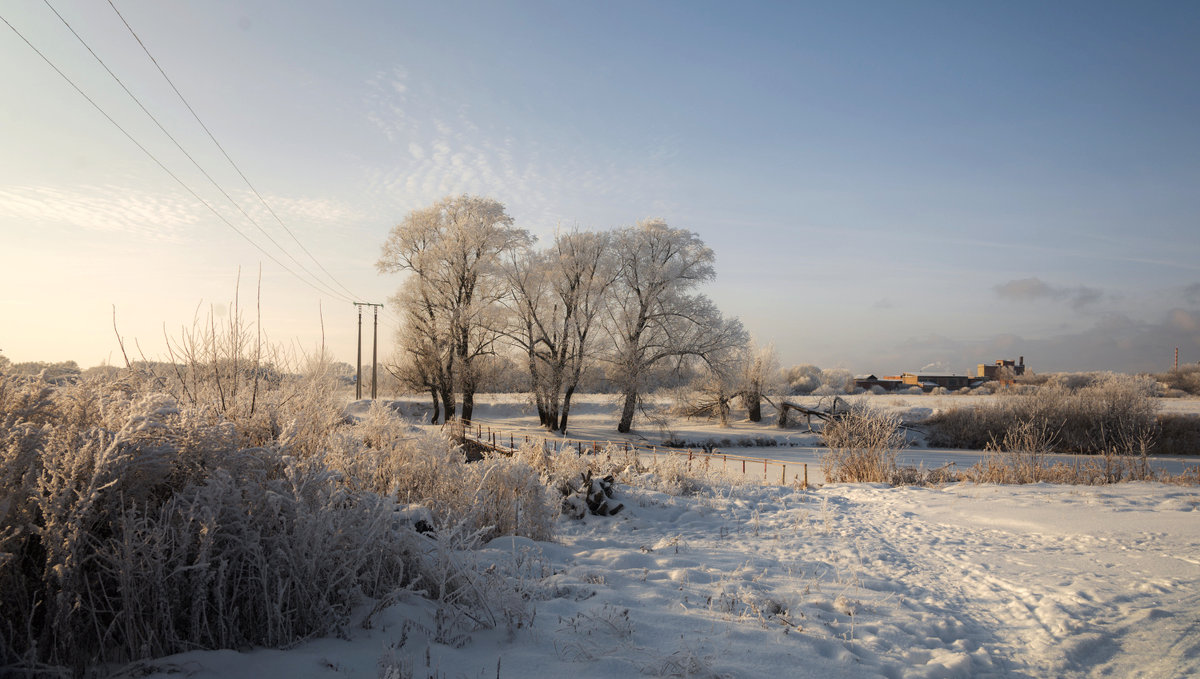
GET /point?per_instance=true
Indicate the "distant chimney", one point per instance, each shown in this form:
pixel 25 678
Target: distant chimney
pixel 1021 361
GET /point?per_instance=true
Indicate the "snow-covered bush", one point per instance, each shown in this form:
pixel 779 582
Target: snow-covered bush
pixel 863 444
pixel 671 474
pixel 151 532
pixel 1185 380
pixel 133 524
pixel 802 379
pixel 839 380
pixel 809 379
pixel 1112 412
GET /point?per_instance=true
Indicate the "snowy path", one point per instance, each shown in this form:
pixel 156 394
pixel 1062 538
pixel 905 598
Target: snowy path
pixel 846 581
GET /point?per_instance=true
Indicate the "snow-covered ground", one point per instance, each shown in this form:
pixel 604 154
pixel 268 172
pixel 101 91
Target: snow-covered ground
pixel 856 580
pixel 845 581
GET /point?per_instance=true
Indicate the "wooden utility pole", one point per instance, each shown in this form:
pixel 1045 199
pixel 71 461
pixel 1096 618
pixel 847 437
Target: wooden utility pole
pixel 358 363
pixel 374 352
pixel 1176 359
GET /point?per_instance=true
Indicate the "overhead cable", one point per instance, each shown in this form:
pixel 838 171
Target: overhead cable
pixel 189 156
pixel 154 158
pixel 224 153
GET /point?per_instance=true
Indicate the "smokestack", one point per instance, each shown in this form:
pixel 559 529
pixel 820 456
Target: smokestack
pixel 1021 361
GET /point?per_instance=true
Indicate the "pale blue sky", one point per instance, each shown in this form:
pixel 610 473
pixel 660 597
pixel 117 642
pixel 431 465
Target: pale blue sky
pixel 887 186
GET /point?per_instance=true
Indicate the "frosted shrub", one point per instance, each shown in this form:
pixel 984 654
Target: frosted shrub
pixel 499 495
pixel 1106 412
pixel 671 474
pixel 150 532
pixel 802 379
pixel 863 445
pixel 837 380
pixel 23 398
pixel 1185 380
pixel 136 524
pixel 1021 457
pixel 506 497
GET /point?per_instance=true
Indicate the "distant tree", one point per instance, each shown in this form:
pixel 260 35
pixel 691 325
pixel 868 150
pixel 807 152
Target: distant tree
pixel 653 317
pixel 759 379
pixel 716 387
pixel 452 250
pixel 802 379
pixel 835 381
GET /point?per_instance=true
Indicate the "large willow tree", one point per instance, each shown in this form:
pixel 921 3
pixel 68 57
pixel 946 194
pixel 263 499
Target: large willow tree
pixel 451 251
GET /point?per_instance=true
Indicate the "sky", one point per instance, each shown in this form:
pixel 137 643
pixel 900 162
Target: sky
pixel 887 186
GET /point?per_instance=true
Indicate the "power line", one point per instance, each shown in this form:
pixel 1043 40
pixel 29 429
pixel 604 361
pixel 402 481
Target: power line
pixel 189 155
pixel 154 158
pixel 224 153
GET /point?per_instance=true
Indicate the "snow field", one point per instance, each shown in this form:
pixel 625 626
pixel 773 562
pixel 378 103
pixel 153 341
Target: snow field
pixel 848 581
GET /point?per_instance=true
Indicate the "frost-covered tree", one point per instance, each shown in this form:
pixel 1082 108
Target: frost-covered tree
pixel 654 317
pixel 802 379
pixel 556 298
pixel 422 363
pixel 760 378
pixel 716 387
pixel 835 381
pixel 453 249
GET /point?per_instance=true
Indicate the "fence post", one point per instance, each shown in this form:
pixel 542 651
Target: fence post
pixel 806 476
pixel 764 471
pixel 743 467
pixel 783 476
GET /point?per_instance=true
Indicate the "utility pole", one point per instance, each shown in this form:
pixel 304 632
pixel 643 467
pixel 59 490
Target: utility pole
pixel 374 352
pixel 358 363
pixel 1176 359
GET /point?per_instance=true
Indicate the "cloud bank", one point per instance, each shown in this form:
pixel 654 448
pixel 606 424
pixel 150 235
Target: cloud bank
pixel 1029 289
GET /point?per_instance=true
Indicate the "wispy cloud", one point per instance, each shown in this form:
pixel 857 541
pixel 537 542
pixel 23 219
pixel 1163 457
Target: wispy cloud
pixel 299 212
pixel 386 98
pixel 452 152
pixel 1028 289
pixel 157 216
